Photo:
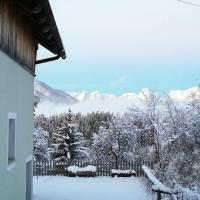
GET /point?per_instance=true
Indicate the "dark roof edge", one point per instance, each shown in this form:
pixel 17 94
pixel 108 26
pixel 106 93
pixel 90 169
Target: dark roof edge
pixel 49 28
pixel 61 53
pixel 39 15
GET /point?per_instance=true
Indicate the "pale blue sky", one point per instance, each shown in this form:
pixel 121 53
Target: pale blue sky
pixel 119 46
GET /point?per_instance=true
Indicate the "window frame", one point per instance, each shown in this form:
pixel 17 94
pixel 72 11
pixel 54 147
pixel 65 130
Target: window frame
pixel 11 163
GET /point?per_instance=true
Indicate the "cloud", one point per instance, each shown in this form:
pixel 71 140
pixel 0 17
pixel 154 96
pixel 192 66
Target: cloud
pixel 121 80
pixel 85 107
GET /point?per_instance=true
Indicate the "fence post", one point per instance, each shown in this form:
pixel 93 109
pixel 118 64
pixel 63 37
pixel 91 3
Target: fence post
pixel 158 195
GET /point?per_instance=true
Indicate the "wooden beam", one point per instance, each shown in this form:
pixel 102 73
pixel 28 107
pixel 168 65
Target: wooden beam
pixel 45 29
pixel 37 9
pixel 159 196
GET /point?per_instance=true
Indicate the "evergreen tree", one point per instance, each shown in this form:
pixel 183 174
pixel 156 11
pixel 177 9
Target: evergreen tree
pixel 77 149
pixel 40 143
pixel 60 141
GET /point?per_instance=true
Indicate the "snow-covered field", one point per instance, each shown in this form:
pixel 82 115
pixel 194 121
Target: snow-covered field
pixel 100 188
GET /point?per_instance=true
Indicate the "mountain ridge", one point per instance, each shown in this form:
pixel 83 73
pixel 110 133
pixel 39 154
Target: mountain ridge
pixel 48 94
pixel 54 101
pixel 179 95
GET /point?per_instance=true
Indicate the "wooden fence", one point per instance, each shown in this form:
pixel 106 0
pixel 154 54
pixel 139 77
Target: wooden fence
pixel 54 168
pixel 157 186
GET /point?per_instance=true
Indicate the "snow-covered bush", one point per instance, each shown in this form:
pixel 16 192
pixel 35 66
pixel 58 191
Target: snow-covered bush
pixel 123 173
pixel 88 168
pixel 87 171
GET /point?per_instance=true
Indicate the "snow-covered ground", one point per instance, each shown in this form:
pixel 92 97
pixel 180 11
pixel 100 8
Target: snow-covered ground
pixel 100 188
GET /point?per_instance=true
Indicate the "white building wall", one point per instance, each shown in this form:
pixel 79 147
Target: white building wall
pixel 16 97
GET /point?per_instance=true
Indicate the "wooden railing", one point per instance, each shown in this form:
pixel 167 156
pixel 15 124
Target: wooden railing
pixel 157 186
pixel 54 168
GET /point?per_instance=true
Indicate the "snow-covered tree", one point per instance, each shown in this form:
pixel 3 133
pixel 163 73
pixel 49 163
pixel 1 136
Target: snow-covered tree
pixel 77 149
pixel 68 142
pixel 186 159
pixel 59 148
pixel 40 142
pixel 143 133
pixel 114 143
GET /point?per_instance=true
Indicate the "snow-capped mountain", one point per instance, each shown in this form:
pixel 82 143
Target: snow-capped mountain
pixel 184 95
pixel 50 95
pixel 54 101
pixel 92 96
pixel 177 95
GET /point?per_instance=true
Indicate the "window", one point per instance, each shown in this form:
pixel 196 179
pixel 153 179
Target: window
pixel 11 138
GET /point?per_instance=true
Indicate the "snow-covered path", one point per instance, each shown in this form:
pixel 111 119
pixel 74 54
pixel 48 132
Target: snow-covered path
pixel 100 188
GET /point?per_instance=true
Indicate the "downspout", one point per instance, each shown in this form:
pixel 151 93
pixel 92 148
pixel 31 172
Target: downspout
pixel 47 60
